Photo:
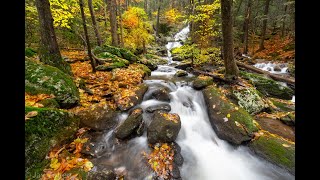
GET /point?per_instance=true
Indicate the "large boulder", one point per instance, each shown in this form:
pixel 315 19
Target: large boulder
pixel 230 122
pixel 120 52
pixel 45 79
pixel 135 99
pixel 268 86
pixel 181 73
pixel 183 65
pixel 160 107
pixel 276 150
pixel 131 126
pixel 201 82
pixel 48 128
pixel 102 173
pixel 164 127
pixel 97 117
pixel 250 100
pixel 161 94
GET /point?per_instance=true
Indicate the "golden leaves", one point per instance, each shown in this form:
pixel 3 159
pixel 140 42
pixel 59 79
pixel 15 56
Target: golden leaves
pixel 171 117
pixel 32 100
pixel 161 159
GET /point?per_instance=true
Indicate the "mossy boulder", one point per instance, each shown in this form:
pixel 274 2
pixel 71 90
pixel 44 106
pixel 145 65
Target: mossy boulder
pixel 49 103
pixel 268 86
pixel 113 58
pixel 98 117
pixel 49 128
pixel 155 59
pixel 164 127
pixel 250 100
pixel 161 94
pixel 183 65
pixel 282 105
pixel 201 82
pixel 110 67
pixel 181 73
pixel 276 150
pixel 120 52
pixel 231 122
pixel 291 69
pixel 45 79
pixel 289 119
pixel 146 70
pixel 131 125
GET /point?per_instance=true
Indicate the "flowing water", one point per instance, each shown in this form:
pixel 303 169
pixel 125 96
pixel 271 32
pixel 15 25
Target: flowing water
pixel 206 157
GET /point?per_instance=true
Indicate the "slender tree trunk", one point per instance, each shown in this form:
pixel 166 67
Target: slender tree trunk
pixel 105 15
pixel 264 26
pixel 49 50
pixel 158 18
pixel 246 26
pixel 93 63
pixel 283 22
pixel 145 6
pixel 113 22
pixel 94 23
pixel 121 25
pixel 237 12
pixel 232 70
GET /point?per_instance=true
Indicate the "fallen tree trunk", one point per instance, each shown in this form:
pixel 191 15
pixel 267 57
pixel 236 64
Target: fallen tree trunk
pixel 273 76
pixel 215 77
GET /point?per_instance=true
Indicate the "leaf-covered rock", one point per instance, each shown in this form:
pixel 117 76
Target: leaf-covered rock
pixel 250 100
pixel 120 52
pixel 164 127
pixel 201 82
pixel 230 122
pixel 131 125
pixel 97 117
pixel 268 86
pixel 275 150
pixel 50 127
pixel 133 100
pixel 45 79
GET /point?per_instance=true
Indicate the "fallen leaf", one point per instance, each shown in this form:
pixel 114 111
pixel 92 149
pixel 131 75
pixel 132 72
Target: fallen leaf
pixel 30 114
pixel 285 145
pixel 213 106
pixel 236 108
pixel 228 115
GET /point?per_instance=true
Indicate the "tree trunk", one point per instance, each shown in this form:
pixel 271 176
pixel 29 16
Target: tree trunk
pixel 93 63
pixel 158 18
pixel 273 76
pixel 113 22
pixel 94 23
pixel 105 15
pixel 264 26
pixel 49 50
pixel 145 5
pixel 232 70
pixel 121 25
pixel 246 26
pixel 237 12
pixel 283 23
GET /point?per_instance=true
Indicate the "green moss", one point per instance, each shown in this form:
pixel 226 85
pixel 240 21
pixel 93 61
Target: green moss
pixel 226 107
pixel 119 52
pixel 155 59
pixel 273 150
pixel 282 106
pixel 29 52
pixel 268 86
pixel 202 82
pixel 81 173
pixel 144 68
pixel 50 127
pixel 49 103
pixel 46 79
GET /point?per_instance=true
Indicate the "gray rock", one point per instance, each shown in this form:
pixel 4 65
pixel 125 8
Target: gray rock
pixel 181 73
pixel 163 107
pixel 130 125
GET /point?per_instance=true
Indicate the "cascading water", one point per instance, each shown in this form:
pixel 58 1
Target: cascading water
pixel 206 157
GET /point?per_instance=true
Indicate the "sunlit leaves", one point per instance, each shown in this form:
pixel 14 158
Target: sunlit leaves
pixel 63 11
pixel 172 16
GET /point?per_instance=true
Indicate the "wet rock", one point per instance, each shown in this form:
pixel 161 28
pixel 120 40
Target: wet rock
pixel 275 126
pixel 250 100
pixel 176 148
pixel 176 58
pixel 97 117
pixel 49 128
pixel 161 94
pixel 276 150
pixel 45 79
pixel 163 107
pixel 282 105
pixel 162 52
pixel 181 73
pixel 183 66
pixel 238 127
pixel 201 82
pixel 164 127
pixel 131 125
pixel 133 100
pixel 268 86
pixel 96 145
pixel 49 103
pixel 105 173
pixel 178 159
pixel 277 68
pixel 175 173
